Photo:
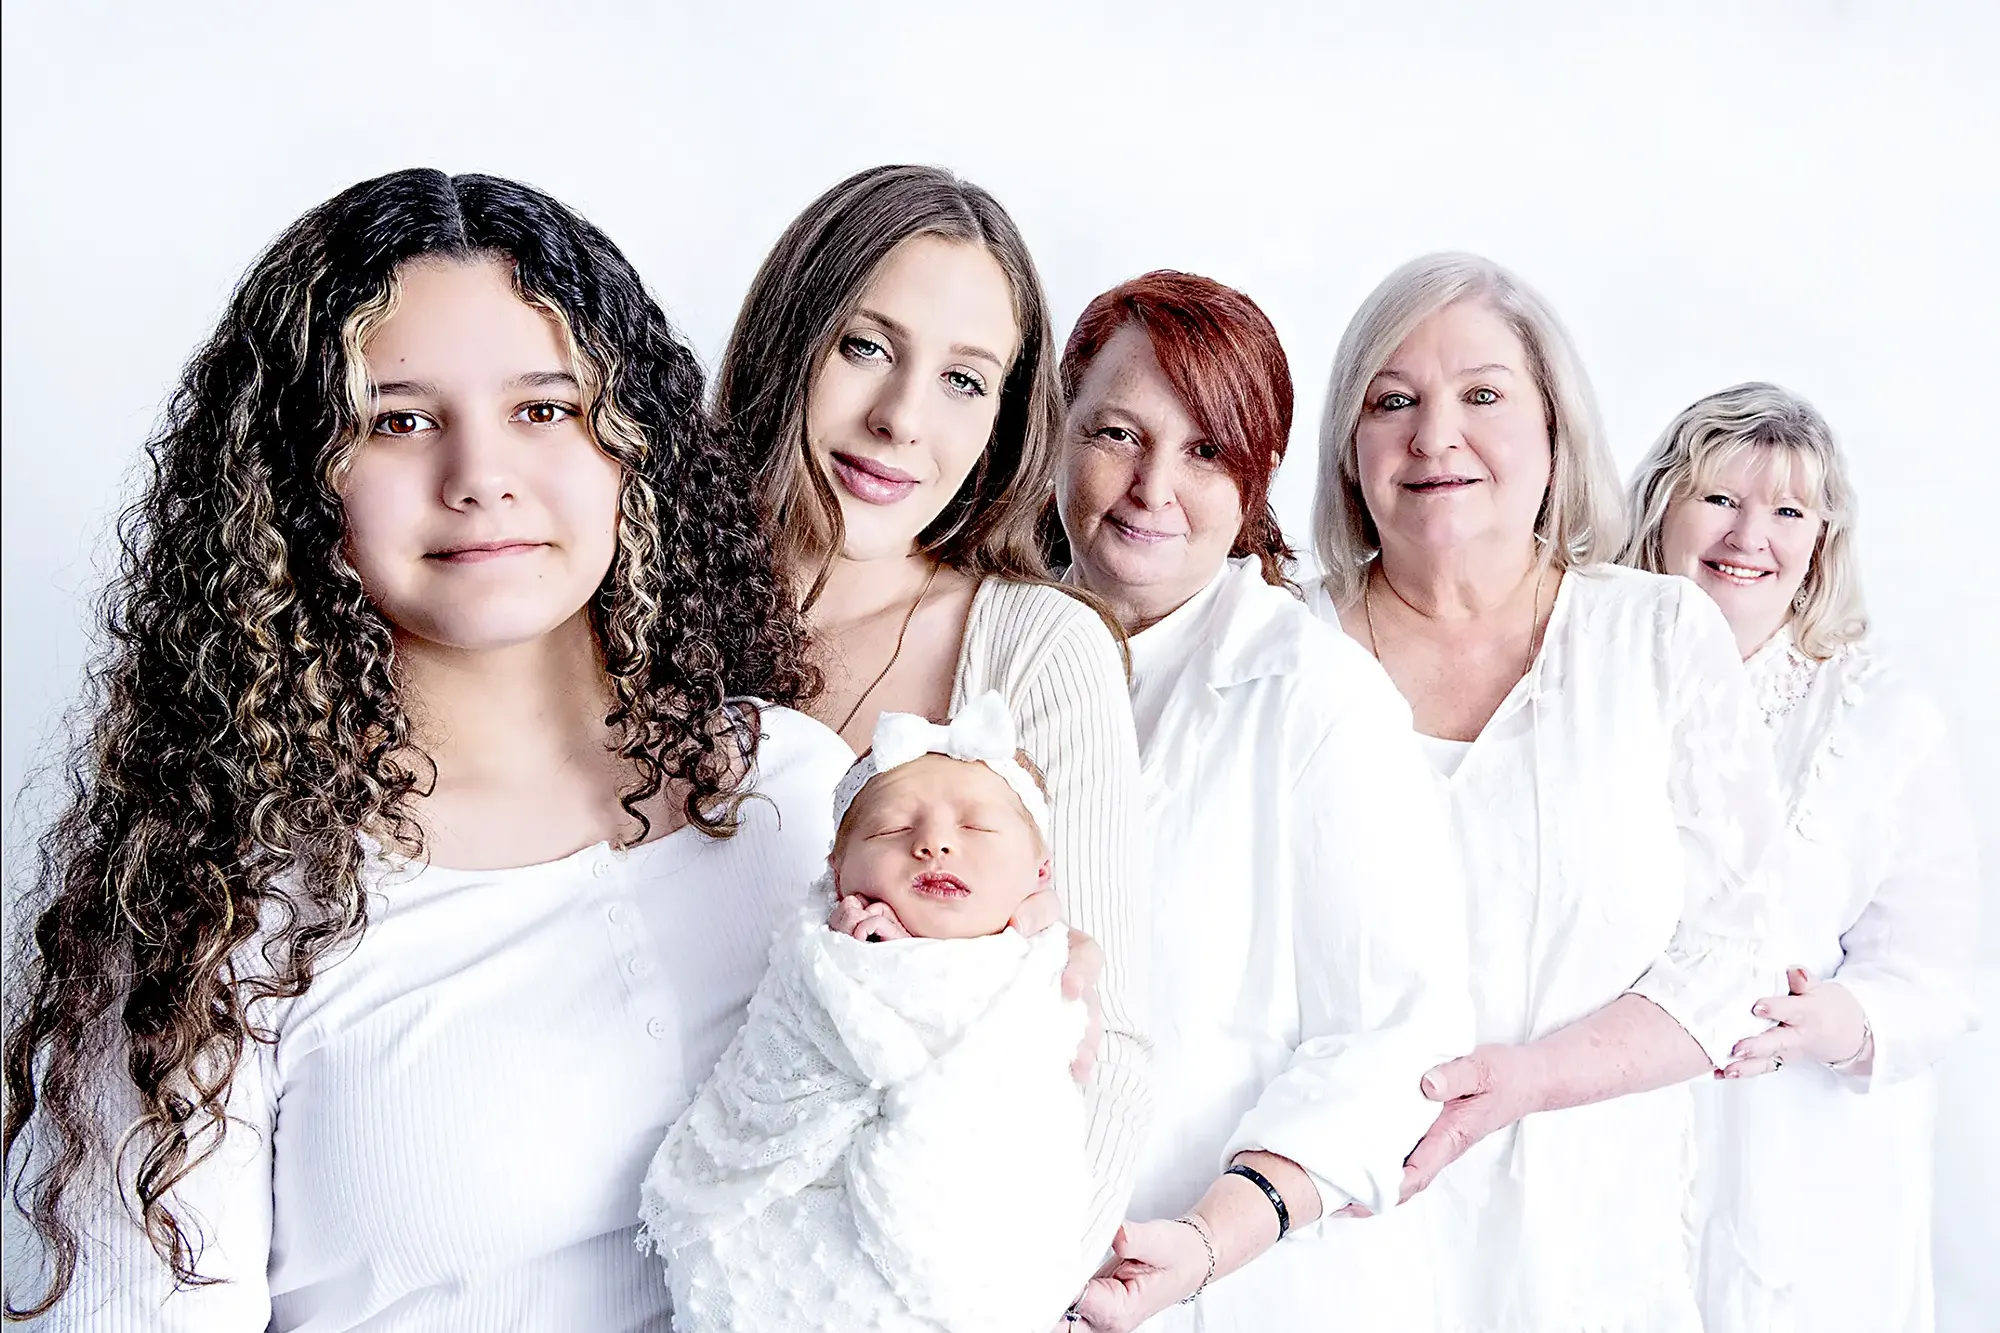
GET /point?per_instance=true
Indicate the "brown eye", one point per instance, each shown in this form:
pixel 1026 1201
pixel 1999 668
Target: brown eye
pixel 545 414
pixel 402 423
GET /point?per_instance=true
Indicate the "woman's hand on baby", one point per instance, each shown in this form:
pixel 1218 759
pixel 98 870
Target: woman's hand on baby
pixel 1153 1265
pixel 866 921
pixel 1039 911
pixel 1818 1020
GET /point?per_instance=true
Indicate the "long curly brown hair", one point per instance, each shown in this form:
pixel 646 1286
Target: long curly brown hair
pixel 242 724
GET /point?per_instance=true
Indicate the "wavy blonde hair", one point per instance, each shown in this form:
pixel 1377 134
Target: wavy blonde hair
pixel 1581 519
pixel 1714 431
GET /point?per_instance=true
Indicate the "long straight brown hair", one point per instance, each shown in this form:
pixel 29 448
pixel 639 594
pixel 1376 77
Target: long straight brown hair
pixel 805 292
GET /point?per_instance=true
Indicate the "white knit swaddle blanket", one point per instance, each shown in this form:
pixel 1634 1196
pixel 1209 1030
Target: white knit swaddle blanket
pixel 893 1141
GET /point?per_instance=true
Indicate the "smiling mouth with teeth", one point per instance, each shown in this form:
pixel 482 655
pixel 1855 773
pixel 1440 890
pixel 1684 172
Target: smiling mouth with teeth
pixel 1737 573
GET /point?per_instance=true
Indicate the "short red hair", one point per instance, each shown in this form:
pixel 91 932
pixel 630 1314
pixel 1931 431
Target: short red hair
pixel 1224 360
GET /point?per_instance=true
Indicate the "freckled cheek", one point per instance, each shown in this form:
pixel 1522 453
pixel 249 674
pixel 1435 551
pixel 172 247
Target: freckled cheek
pixel 1094 484
pixel 1215 510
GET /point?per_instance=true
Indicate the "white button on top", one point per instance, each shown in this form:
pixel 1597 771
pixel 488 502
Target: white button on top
pixel 639 967
pixel 601 869
pixel 656 1027
pixel 616 912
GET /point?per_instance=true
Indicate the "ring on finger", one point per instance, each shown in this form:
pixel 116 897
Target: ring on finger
pixel 1777 1062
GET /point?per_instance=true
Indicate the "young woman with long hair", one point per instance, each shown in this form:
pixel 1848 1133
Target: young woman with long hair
pixel 892 375
pixel 421 847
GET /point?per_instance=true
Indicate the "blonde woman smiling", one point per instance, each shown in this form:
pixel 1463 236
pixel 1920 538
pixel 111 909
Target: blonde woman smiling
pixel 1610 795
pixel 1308 939
pixel 1816 1181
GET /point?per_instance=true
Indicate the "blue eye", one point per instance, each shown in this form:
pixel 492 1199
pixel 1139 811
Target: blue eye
pixel 859 348
pixel 1721 500
pixel 1788 511
pixel 1394 402
pixel 965 384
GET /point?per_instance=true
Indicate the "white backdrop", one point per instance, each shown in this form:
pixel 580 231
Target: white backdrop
pixel 1805 193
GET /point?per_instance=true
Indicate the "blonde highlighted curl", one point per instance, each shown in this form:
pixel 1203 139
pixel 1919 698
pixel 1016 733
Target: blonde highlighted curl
pixel 242 728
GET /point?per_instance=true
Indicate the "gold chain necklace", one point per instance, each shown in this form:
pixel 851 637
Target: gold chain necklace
pixel 881 675
pixel 1368 611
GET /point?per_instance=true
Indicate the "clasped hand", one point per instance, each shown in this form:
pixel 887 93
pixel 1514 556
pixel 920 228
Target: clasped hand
pixel 1818 1020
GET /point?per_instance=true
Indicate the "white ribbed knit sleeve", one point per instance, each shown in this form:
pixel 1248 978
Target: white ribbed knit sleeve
pixel 1063 677
pixel 224 1207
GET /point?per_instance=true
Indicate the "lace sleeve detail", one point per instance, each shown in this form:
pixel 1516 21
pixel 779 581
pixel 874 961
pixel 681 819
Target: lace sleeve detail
pixel 1723 787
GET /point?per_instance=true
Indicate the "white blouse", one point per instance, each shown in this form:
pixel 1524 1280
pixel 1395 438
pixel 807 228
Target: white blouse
pixel 1308 947
pixel 1054 661
pixel 1817 1184
pixel 450 1131
pixel 1609 819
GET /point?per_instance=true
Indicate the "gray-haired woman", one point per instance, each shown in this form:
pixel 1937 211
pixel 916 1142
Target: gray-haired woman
pixel 1609 795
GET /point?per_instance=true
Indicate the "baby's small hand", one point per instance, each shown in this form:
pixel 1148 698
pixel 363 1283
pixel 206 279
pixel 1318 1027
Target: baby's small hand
pixel 870 922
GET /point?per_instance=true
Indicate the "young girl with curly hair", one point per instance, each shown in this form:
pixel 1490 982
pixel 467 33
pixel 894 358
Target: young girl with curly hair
pixel 422 847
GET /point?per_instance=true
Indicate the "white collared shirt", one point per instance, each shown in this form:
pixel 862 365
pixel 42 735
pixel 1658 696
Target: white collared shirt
pixel 1309 950
pixel 1611 818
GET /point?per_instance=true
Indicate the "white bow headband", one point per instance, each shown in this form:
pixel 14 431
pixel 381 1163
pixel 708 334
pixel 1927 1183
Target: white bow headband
pixel 983 732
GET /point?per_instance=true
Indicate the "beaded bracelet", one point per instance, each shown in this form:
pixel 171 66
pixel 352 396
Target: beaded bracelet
pixel 1206 1244
pixel 1256 1177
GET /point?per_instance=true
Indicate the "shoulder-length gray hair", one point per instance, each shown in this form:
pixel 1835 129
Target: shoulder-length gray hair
pixel 1581 519
pixel 1703 439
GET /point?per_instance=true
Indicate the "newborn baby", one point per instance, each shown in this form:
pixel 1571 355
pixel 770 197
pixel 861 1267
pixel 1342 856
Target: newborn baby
pixel 893 1141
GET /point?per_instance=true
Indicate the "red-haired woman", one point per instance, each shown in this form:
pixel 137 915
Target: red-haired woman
pixel 1308 952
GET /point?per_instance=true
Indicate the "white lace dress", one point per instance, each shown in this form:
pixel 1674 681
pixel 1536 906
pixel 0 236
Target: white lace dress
pixel 1816 1185
pixel 892 1144
pixel 1608 819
